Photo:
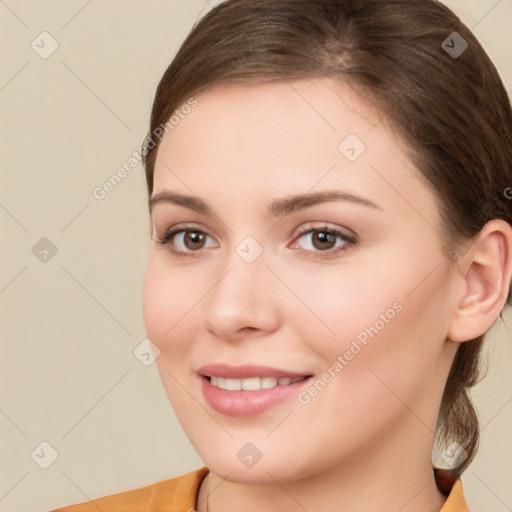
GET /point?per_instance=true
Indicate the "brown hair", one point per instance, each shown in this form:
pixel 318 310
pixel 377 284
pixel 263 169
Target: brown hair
pixel 452 111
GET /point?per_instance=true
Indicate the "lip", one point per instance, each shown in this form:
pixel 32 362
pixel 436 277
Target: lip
pixel 247 403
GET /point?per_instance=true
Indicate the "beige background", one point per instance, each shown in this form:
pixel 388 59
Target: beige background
pixel 68 373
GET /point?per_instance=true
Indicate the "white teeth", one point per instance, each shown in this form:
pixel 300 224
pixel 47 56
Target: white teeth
pixel 219 382
pixel 233 384
pixel 268 382
pixel 252 383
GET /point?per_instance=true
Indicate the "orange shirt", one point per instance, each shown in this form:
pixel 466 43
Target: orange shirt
pixel 180 495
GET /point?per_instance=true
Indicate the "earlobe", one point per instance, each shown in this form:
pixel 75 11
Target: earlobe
pixel 487 271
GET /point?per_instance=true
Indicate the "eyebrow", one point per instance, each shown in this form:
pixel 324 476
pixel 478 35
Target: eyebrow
pixel 278 207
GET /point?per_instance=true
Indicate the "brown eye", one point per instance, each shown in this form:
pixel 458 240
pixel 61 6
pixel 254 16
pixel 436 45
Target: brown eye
pixel 185 241
pixel 194 240
pixel 323 240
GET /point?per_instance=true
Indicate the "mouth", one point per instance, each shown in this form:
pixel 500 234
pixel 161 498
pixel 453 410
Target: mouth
pixel 248 390
pixel 252 383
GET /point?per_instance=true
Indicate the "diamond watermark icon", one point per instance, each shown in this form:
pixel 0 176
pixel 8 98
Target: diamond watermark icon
pixel 44 45
pixel 44 250
pixel 44 455
pixel 146 352
pixel 454 455
pixel 352 147
pixel 249 249
pixel 249 455
pixel 454 45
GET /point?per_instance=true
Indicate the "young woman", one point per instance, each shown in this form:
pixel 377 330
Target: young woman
pixel 329 190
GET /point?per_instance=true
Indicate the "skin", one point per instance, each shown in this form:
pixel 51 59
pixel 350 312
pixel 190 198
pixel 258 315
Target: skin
pixel 365 441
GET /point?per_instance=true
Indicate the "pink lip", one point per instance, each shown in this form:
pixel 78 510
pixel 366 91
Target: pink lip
pixel 245 371
pixel 247 403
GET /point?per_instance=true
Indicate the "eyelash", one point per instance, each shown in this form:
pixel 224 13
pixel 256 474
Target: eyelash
pixel 165 240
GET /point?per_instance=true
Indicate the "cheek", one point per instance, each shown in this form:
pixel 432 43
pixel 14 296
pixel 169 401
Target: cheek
pixel 169 296
pixel 392 323
pixel 167 303
pixel 341 305
pixel 377 366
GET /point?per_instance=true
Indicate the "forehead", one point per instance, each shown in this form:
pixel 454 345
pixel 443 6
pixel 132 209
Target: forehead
pixel 321 104
pixel 280 121
pixel 286 137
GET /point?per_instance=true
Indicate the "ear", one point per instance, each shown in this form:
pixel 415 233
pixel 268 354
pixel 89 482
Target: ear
pixel 486 270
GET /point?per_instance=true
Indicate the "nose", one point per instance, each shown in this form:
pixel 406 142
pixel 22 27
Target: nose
pixel 243 301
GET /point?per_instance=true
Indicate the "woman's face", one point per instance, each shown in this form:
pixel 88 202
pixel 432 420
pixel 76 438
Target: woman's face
pixel 360 306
